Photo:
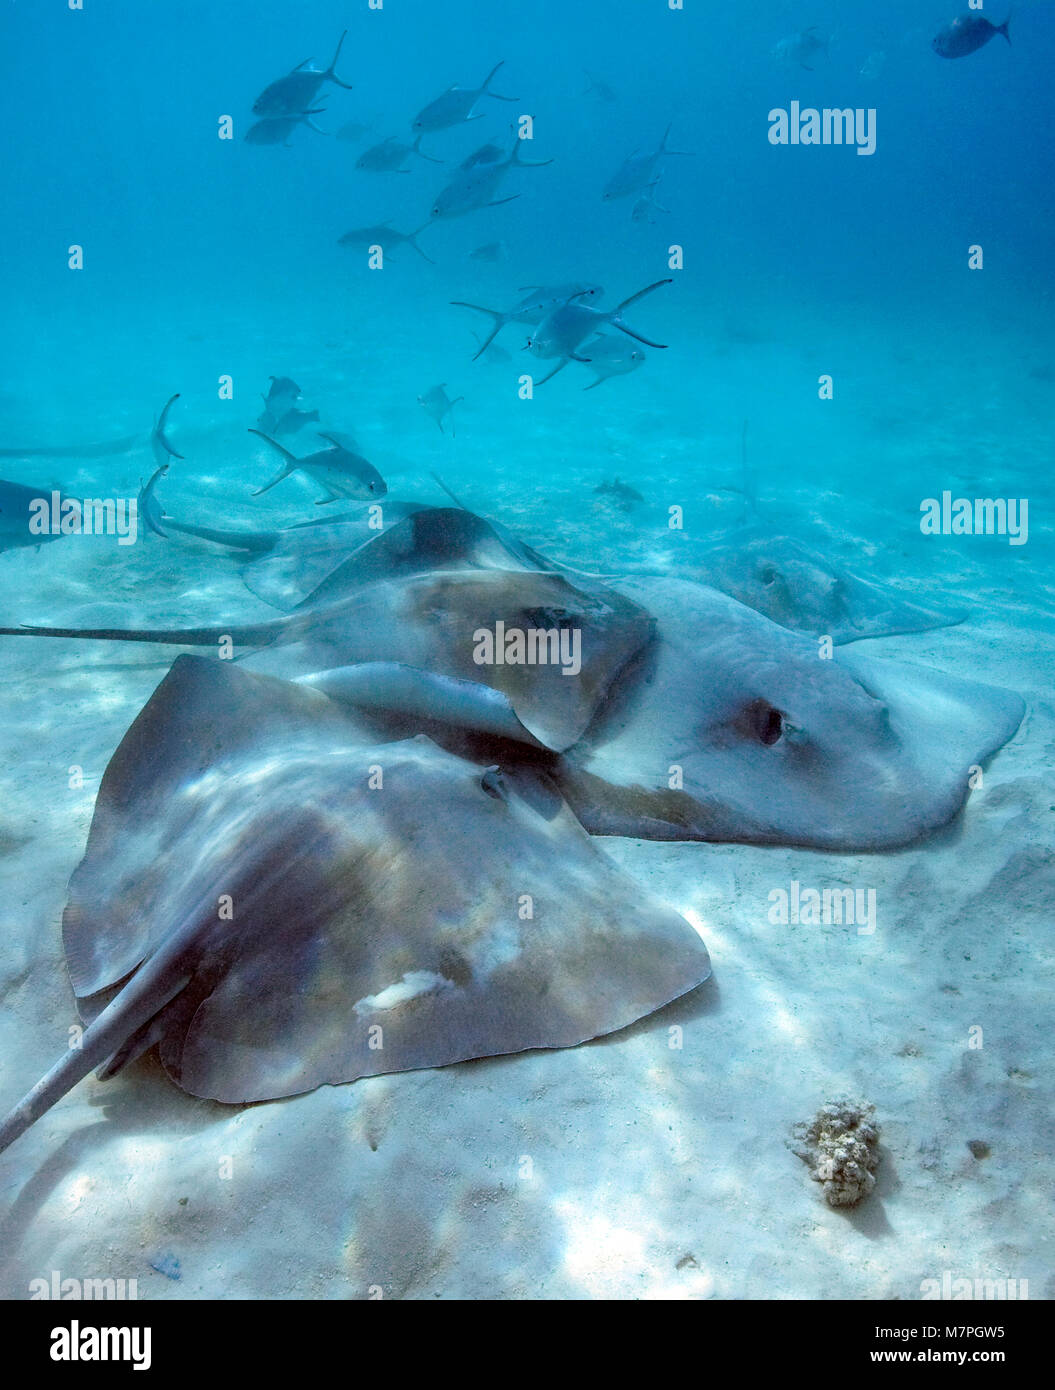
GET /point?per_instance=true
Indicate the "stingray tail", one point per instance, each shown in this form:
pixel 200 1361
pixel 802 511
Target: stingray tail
pixel 331 74
pixel 500 322
pixel 254 635
pixel 140 1000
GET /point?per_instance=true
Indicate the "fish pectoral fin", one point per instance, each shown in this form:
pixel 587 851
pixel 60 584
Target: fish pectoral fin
pixel 499 201
pixel 558 368
pixel 576 358
pixel 636 336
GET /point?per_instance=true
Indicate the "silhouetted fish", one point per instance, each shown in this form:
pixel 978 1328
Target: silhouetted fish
pixel 294 93
pixel 966 34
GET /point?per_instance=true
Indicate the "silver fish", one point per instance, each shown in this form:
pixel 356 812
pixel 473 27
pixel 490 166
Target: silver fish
pixel 612 356
pixel 384 236
pixel 562 332
pixel 646 205
pixel 353 131
pixel 475 188
pixel 598 87
pixel 802 48
pixel 297 90
pixel 533 308
pixel 639 171
pixel 490 253
pixel 338 469
pixel 389 156
pixel 456 106
pixel 276 130
pixel 439 405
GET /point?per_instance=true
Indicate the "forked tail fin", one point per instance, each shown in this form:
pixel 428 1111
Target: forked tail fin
pixel 330 73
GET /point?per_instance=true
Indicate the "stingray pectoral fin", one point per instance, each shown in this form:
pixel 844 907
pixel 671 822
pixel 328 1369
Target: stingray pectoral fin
pixel 406 690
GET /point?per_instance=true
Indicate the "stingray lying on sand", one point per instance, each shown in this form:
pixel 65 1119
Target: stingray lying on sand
pixel 389 841
pixel 282 902
pixel 686 715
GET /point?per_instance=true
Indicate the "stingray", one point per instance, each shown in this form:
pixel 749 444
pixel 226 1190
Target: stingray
pixel 690 716
pixel 280 903
pixel 397 626
pixel 799 588
pixel 16 504
pixel 729 727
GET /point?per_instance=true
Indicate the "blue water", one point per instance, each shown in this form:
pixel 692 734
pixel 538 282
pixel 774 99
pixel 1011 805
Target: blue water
pixel 210 265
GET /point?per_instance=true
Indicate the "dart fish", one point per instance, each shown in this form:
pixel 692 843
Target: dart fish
pixel 384 236
pixel 611 356
pixel 475 187
pixel 390 155
pixel 640 171
pixel 437 404
pixel 338 469
pixel 561 333
pixel 533 308
pixel 802 48
pixel 276 130
pixel 294 93
pixel 456 106
pixel 490 254
pixel 967 34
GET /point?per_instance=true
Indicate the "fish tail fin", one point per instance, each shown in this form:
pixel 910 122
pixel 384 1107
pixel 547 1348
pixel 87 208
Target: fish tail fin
pixel 500 322
pixel 1003 29
pixel 159 432
pixel 635 297
pixel 330 71
pixel 149 507
pixel 292 463
pixel 515 159
pixel 416 149
pixel 413 239
pixel 487 84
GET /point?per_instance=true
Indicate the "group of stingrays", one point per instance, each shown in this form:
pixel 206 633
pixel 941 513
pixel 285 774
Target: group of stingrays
pixel 356 849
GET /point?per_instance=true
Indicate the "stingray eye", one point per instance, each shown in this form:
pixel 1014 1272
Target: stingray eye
pixel 493 783
pixel 765 722
pixel 768 575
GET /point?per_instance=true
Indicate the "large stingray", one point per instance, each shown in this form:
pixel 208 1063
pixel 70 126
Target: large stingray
pixel 281 904
pixel 693 717
pixel 412 601
pixel 801 589
pixel 730 727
